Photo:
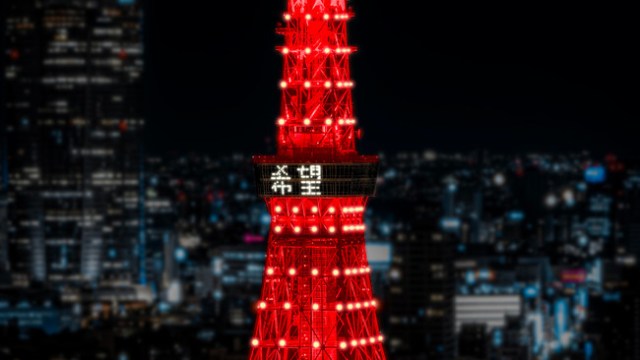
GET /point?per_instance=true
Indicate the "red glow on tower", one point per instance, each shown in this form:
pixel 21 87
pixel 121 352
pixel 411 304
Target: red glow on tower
pixel 316 300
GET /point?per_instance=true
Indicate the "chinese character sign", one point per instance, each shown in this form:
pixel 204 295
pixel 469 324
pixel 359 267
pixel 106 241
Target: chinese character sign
pixel 281 180
pixel 311 178
pixel 308 176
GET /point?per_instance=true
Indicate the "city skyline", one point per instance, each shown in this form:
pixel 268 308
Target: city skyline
pixel 499 193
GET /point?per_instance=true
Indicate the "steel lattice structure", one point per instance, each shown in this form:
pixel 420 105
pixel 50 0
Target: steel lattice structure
pixel 316 300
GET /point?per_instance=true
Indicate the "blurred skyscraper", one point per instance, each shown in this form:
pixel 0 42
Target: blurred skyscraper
pixel 4 255
pixel 73 108
pixel 422 285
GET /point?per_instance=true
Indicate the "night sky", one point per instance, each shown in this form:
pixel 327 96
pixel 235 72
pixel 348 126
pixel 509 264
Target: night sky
pixel 514 78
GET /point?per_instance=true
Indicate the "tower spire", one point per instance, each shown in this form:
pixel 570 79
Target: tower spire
pixel 317 106
pixel 316 300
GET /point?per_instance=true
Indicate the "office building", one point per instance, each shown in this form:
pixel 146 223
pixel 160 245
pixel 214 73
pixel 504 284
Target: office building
pixel 74 118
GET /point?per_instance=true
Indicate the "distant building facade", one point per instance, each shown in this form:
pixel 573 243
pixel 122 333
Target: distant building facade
pixel 74 118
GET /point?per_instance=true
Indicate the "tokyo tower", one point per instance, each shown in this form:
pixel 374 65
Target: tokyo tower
pixel 316 301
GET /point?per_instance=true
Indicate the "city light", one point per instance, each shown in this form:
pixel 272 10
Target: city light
pixel 167 248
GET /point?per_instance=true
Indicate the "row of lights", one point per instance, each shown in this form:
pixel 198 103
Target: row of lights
pixel 343 344
pixel 315 229
pixel 356 305
pixel 362 342
pixel 327 84
pixel 262 305
pixel 331 209
pixel 288 17
pixel 346 84
pixel 354 228
pixel 356 271
pixel 296 209
pixel 298 230
pixel 335 272
pixel 326 50
pixel 327 121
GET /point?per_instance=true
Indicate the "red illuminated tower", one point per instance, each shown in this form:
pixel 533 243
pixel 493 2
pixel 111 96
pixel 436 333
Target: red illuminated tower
pixel 316 301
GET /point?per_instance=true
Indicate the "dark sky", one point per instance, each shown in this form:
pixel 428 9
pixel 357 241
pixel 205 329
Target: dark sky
pixel 518 77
